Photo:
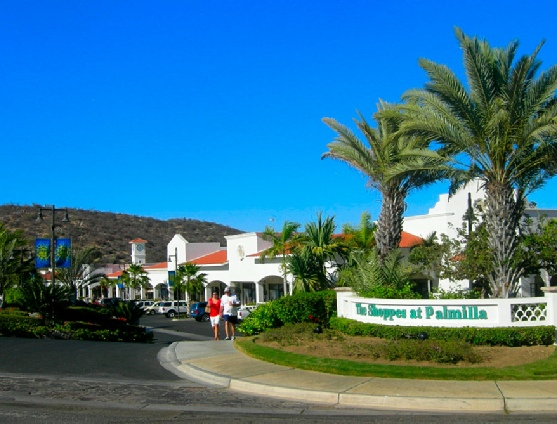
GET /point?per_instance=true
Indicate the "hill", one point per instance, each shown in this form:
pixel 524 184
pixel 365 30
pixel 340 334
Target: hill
pixel 111 232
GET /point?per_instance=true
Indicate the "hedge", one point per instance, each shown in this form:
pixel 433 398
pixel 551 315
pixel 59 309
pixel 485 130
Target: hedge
pixel 501 336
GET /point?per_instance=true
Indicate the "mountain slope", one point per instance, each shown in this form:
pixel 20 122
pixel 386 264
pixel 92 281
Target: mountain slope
pixel 111 232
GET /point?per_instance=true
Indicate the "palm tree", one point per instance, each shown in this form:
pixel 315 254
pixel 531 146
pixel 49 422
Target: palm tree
pixel 362 237
pixel 320 242
pixel 189 280
pixel 81 271
pixel 283 242
pixel 502 128
pixel 305 271
pixel 394 165
pixel 106 283
pixel 135 277
pixel 13 259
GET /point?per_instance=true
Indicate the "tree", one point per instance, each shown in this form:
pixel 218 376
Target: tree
pixel 105 283
pixel 305 270
pixel 81 271
pixel 541 243
pixel 14 258
pixel 362 237
pixel 46 299
pixel 135 277
pixel 502 130
pixel 320 241
pixel 394 165
pixel 283 242
pixel 389 278
pixel 428 256
pixel 188 279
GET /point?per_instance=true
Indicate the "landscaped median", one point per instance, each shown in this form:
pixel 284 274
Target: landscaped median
pixel 79 323
pixel 544 369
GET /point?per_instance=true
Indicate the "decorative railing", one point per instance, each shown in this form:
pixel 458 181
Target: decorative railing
pixel 531 312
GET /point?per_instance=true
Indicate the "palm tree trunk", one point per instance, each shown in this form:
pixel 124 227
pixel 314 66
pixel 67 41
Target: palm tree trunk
pixel 504 209
pixel 389 227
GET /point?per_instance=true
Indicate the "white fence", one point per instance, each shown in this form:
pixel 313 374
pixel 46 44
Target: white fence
pixel 517 312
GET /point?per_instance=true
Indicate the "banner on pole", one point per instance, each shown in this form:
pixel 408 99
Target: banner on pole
pixel 63 251
pixel 171 275
pixel 42 253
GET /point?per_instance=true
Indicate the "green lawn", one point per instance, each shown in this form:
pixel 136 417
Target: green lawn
pixel 539 370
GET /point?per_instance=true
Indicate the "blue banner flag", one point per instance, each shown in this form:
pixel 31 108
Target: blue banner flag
pixel 63 253
pixel 42 253
pixel 171 276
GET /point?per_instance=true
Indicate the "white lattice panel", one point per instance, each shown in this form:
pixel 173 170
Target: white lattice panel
pixel 529 312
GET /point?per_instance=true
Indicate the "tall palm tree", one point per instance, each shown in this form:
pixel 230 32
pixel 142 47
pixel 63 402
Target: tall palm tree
pixel 189 279
pixel 135 277
pixel 394 165
pixel 81 270
pixel 283 242
pixel 106 283
pixel 503 128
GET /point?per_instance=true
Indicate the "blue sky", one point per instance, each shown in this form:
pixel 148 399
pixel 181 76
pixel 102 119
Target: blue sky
pixel 212 110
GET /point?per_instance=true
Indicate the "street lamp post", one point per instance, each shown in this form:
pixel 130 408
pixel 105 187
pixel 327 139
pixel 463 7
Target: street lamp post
pixel 175 274
pixel 53 236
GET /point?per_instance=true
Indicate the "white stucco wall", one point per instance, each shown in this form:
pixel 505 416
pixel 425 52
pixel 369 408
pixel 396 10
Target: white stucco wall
pixel 447 215
pixel 187 251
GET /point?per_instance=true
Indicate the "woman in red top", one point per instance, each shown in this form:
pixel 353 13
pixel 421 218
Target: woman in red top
pixel 215 314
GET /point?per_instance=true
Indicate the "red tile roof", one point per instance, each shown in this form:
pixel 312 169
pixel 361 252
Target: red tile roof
pixel 138 240
pixel 409 240
pixel 160 265
pixel 219 257
pixel 114 274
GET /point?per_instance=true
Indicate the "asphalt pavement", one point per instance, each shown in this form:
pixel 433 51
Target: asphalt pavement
pixel 185 369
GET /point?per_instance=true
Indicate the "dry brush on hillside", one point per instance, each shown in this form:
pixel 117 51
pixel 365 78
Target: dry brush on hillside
pixel 111 232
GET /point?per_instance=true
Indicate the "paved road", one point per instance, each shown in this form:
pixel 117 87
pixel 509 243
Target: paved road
pixel 76 381
pixel 98 359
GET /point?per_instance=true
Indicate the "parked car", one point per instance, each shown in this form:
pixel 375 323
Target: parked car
pixel 197 311
pixel 153 309
pixel 144 304
pixel 171 308
pixel 244 311
pixel 111 301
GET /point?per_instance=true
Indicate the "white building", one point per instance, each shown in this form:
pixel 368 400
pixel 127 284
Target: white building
pixel 448 215
pixel 239 264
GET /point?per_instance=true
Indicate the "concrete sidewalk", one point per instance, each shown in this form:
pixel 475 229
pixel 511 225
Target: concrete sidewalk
pixel 220 364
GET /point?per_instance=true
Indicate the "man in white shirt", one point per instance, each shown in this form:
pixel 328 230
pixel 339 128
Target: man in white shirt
pixel 229 304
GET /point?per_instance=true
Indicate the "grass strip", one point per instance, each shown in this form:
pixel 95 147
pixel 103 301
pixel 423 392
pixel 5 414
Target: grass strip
pixel 545 369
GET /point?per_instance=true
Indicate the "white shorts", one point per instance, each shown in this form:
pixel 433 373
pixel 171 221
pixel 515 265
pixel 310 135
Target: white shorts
pixel 215 320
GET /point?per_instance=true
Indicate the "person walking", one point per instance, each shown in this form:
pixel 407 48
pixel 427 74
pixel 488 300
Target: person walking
pixel 229 315
pixel 215 313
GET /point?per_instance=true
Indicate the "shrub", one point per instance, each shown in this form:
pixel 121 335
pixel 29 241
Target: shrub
pixel 12 324
pixel 300 307
pixel 506 336
pixel 295 334
pixel 386 279
pixel 446 352
pixel 94 314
